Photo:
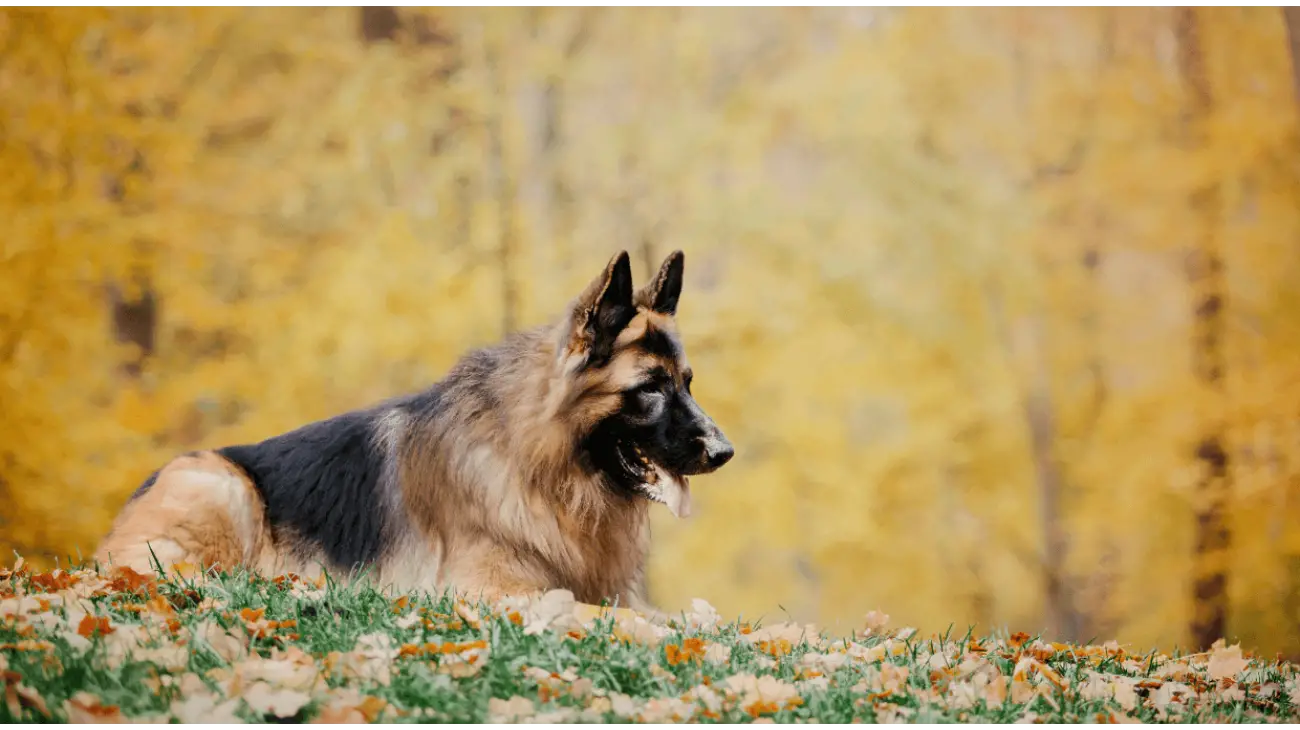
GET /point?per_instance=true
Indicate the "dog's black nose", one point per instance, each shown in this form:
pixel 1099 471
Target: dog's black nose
pixel 718 453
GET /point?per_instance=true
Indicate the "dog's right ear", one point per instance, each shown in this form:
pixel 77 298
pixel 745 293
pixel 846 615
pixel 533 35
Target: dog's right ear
pixel 601 312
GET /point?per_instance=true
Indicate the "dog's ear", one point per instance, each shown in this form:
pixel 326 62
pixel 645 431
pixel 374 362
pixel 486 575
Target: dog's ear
pixel 602 311
pixel 662 293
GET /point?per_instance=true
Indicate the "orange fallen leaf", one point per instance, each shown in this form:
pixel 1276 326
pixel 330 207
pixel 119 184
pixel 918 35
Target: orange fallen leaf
pixel 691 648
pixel 91 624
pixel 84 707
pixel 53 581
pixel 126 580
pixel 777 648
pixel 28 645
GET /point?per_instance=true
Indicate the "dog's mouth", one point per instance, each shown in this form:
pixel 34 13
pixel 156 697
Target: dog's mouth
pixel 654 481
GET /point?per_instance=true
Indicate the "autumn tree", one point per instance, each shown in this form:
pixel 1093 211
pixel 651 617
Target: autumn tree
pixel 1205 275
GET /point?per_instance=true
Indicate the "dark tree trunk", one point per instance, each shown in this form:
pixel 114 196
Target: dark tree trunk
pixel 135 314
pixel 135 322
pixel 1213 539
pixel 379 24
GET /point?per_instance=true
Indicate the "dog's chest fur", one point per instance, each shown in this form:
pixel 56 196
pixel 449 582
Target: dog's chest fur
pixel 487 520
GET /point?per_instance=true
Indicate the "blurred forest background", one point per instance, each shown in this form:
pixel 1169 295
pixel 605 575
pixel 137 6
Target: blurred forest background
pixel 999 307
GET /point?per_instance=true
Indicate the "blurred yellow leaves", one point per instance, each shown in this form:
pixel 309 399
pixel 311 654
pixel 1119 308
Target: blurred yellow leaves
pixel 137 413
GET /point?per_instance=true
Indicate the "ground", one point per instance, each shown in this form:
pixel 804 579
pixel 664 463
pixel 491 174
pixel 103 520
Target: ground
pixel 228 647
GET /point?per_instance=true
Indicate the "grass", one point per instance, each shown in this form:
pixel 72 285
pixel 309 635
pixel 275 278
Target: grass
pixel 219 647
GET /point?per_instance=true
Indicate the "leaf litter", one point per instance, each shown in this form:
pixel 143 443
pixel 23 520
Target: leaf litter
pixel 211 646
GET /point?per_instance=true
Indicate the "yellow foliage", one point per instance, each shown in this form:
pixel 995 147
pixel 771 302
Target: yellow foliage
pixel 909 232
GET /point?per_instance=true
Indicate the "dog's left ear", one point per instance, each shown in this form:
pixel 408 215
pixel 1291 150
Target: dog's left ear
pixel 661 294
pixel 601 312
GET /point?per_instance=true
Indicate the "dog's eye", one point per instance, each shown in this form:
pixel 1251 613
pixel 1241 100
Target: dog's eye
pixel 686 381
pixel 650 387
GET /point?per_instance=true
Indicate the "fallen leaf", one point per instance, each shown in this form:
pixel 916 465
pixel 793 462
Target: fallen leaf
pixel 226 644
pixel 581 688
pixel 84 707
pixel 515 709
pixel 90 625
pixel 1029 718
pixel 666 709
pixel 347 705
pixel 557 716
pixel 790 634
pixel 19 696
pixel 186 570
pixel 1126 695
pixel 553 608
pixel 282 703
pixel 622 705
pixel 595 711
pixel 893 714
pixel 469 615
pixel 1226 662
pixel 876 622
pixel 761 694
pixel 717 653
pixel 205 708
pixel 636 629
pixel 170 657
pixel 826 663
pixel 465 662
pixel 702 615
pixel 291 668
pixel 370 661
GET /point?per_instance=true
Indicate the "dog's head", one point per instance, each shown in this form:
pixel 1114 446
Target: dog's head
pixel 641 428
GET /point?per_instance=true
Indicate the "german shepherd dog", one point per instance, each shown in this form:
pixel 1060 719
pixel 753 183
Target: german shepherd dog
pixel 529 467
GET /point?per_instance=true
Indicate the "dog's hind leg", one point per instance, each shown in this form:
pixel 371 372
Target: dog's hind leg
pixel 201 509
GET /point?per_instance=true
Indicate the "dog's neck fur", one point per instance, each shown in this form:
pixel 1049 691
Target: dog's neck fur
pixel 556 510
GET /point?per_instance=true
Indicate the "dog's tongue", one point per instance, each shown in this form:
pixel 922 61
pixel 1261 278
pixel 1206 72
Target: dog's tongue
pixel 676 493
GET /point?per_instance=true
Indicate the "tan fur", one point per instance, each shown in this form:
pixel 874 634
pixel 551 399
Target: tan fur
pixel 202 510
pixel 489 497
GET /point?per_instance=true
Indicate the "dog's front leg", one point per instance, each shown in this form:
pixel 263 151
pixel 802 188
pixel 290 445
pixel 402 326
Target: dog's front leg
pixel 490 573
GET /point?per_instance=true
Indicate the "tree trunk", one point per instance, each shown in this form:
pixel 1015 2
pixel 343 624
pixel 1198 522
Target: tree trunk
pixel 135 315
pixel 1060 616
pixel 1291 16
pixel 379 23
pixel 1213 539
pixel 135 322
pixel 1094 604
pixel 1062 619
